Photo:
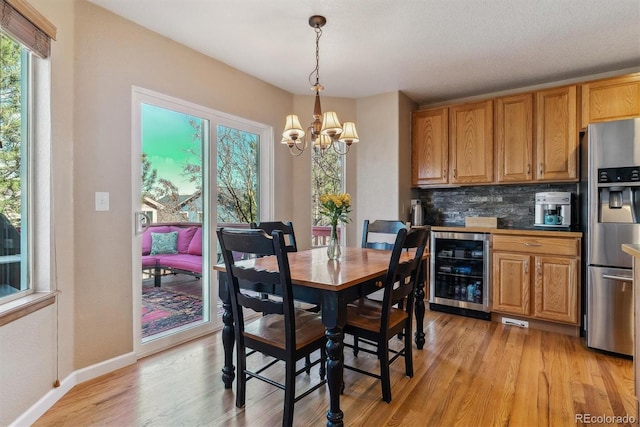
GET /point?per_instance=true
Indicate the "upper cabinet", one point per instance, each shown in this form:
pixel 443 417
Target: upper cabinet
pixel 611 99
pixel 430 147
pixel 471 143
pixel 514 138
pixel 532 137
pixel 556 135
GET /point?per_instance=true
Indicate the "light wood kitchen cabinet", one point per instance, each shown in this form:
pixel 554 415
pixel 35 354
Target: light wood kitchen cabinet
pixel 471 143
pixel 611 99
pixel 556 137
pixel 536 277
pixel 514 138
pixel 511 283
pixel 430 147
pixel 556 289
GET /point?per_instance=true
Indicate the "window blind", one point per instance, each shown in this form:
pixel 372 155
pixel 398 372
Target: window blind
pixel 23 22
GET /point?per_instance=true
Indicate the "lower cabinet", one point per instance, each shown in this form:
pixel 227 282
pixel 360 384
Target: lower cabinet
pixel 536 277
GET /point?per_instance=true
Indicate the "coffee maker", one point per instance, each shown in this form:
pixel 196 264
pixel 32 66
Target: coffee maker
pixel 553 210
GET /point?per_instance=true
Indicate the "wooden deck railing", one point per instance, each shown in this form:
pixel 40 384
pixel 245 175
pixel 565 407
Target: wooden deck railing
pixel 320 235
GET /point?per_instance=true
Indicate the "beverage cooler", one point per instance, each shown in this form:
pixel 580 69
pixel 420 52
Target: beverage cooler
pixel 459 280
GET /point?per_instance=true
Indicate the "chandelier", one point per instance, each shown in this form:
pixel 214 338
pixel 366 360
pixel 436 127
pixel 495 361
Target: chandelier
pixel 325 131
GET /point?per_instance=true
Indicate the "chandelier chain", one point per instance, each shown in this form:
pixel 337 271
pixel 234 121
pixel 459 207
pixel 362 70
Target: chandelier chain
pixel 317 86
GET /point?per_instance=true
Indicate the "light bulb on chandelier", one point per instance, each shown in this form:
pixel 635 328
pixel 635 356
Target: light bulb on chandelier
pixel 325 131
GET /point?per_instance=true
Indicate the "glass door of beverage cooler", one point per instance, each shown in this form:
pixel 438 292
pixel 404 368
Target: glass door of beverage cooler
pixel 460 273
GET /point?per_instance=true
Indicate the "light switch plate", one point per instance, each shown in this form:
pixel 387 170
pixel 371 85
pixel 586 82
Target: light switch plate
pixel 102 201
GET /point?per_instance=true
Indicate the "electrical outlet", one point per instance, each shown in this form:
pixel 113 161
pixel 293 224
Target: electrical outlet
pixel 515 322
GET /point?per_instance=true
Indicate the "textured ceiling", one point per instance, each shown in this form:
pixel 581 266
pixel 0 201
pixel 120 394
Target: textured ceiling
pixel 432 50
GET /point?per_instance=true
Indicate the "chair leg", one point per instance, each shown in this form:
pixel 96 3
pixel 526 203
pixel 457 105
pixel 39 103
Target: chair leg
pixel 241 378
pixel 408 352
pixel 383 355
pixel 289 393
pixel 401 307
pixel 323 362
pixel 307 364
pixel 356 347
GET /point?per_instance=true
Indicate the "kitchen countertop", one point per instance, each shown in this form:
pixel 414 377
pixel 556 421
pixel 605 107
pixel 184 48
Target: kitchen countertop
pixel 512 231
pixel 631 249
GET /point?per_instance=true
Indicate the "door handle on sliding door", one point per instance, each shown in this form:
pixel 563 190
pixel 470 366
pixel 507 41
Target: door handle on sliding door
pixel 142 222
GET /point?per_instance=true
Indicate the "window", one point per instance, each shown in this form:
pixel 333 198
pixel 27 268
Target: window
pixel 25 43
pixel 327 170
pixel 14 169
pixel 238 176
pixel 172 164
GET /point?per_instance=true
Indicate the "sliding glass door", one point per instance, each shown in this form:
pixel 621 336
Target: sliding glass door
pixel 196 169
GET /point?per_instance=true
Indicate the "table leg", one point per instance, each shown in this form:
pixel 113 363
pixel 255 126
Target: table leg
pixel 419 307
pixel 335 371
pixel 228 341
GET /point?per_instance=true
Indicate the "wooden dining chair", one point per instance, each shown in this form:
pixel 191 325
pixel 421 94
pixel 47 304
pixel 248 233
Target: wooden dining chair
pixel 375 323
pixel 380 234
pixel 285 227
pixel 282 332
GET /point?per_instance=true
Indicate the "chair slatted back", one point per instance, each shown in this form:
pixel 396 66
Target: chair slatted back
pixel 285 227
pixel 255 243
pixel 402 277
pixel 384 232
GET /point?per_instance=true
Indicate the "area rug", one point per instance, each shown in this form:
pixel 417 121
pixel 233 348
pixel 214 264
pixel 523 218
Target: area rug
pixel 164 309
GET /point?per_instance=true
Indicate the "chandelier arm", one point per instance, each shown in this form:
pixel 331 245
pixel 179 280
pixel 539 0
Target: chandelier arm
pixel 298 151
pixel 341 153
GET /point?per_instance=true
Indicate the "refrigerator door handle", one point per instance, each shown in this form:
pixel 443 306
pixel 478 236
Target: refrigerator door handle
pixel 622 279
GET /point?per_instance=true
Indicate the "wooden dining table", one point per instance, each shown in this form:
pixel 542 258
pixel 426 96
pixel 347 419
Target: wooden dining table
pixel 332 284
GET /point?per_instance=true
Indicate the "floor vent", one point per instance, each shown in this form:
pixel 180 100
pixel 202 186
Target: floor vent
pixel 514 322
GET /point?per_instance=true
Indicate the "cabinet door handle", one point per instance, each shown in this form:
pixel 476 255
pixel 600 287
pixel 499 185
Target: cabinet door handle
pixel 532 244
pixel 455 173
pixel 526 267
pixel 540 169
pixel 444 172
pixel 528 168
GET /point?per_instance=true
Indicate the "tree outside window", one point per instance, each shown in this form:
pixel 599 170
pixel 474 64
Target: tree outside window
pixel 237 176
pixel 14 60
pixel 172 169
pixel 326 177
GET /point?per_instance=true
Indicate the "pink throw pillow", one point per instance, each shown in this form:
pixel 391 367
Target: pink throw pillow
pixel 146 237
pixel 195 247
pixel 184 237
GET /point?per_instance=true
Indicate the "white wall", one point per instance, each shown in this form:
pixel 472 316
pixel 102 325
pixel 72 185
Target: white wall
pixel 379 172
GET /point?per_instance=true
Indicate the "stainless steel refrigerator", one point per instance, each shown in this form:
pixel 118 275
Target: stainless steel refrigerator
pixel 613 218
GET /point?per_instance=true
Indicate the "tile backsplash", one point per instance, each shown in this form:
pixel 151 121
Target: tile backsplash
pixel 513 205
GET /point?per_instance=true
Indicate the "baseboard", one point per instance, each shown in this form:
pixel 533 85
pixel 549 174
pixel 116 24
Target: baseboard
pixel 94 371
pixel 32 414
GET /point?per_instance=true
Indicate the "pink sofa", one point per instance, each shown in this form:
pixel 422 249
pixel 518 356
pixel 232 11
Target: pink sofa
pixel 184 257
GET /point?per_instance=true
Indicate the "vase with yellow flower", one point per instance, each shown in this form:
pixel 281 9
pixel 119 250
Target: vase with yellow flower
pixel 336 207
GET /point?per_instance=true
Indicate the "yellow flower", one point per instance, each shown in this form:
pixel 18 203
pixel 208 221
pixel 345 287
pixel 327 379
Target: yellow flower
pixel 336 207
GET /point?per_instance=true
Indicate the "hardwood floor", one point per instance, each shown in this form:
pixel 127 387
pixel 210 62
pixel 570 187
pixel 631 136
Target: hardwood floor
pixel 470 373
